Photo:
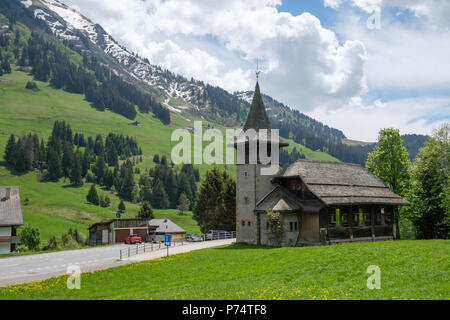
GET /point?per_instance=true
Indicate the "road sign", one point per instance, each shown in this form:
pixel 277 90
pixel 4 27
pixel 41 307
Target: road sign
pixel 168 240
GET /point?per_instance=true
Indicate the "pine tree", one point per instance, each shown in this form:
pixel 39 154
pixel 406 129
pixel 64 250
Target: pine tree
pixel 10 150
pixel 100 168
pixel 67 159
pixel 75 174
pixel 127 185
pixel 214 207
pixel 156 158
pixel 122 207
pixel 85 164
pixel 54 164
pixel 146 211
pixel 160 200
pixel 92 196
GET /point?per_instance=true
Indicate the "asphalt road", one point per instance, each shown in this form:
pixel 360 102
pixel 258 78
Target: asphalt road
pixel 42 266
pixel 22 269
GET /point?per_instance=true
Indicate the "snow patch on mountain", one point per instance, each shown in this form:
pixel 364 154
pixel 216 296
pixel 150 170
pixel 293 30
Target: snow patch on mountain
pixel 26 3
pixel 74 19
pixel 74 22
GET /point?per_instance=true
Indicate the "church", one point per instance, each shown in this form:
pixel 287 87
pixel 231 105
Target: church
pixel 319 202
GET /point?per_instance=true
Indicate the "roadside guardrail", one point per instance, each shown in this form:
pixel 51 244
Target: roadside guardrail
pixel 148 247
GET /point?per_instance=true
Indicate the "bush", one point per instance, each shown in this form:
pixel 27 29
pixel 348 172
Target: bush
pixel 53 244
pixel 31 237
pixel 32 86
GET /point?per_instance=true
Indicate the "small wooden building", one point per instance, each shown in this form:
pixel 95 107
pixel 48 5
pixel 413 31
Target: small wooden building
pixel 10 219
pixel 117 230
pixel 329 202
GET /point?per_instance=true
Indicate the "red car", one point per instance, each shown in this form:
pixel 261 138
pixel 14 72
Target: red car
pixel 133 239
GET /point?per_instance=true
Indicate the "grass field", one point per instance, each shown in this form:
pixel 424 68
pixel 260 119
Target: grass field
pixel 409 270
pixel 56 207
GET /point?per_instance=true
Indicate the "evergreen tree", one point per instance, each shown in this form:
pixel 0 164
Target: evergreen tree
pixel 75 173
pixel 127 185
pixel 160 200
pixel 10 150
pixel 67 158
pixel 156 158
pixel 99 168
pixel 146 211
pixel 54 164
pixel 122 207
pixel 92 196
pixel 85 164
pixel 214 207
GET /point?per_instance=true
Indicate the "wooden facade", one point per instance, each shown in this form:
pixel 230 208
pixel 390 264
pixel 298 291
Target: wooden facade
pixel 333 202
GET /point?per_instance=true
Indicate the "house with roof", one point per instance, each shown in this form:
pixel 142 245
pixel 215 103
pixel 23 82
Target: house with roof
pixel 319 202
pixel 117 230
pixel 10 219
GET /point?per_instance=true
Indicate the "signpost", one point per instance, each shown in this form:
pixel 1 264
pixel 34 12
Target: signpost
pixel 168 242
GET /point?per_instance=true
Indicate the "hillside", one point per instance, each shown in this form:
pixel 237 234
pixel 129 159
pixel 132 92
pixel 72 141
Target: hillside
pixel 84 77
pixel 54 207
pixel 409 270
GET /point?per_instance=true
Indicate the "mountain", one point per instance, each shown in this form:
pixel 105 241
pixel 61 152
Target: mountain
pixel 128 79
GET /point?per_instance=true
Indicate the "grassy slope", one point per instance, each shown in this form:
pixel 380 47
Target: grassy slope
pixel 409 270
pixel 350 142
pixel 54 207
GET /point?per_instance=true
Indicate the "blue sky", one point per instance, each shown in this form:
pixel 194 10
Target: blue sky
pixel 321 57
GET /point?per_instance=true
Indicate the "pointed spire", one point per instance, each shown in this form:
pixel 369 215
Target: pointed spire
pixel 257 117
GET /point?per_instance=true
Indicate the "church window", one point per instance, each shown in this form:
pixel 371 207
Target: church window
pixel 243 223
pixel 295 226
pixel 249 223
pixel 291 226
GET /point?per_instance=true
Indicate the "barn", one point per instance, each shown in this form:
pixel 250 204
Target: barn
pixel 10 219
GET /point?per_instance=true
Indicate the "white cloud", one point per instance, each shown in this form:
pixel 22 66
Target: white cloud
pixel 304 63
pixel 437 11
pixel 409 115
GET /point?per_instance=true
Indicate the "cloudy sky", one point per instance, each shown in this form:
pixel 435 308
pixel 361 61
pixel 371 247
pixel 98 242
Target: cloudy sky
pixel 357 65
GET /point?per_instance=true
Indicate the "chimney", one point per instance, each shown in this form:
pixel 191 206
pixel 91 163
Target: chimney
pixel 7 195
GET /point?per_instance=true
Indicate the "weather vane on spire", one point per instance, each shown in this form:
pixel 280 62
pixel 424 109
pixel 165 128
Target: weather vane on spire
pixel 257 70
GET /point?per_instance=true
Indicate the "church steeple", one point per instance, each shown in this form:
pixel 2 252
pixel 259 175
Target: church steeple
pixel 257 117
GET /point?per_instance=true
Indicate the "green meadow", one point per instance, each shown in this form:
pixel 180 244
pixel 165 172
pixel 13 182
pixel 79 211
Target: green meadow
pixel 409 270
pixel 56 207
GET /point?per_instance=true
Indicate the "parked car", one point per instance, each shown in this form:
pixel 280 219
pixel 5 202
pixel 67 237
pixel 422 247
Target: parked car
pixel 193 238
pixel 133 239
pixel 218 235
pixel 158 237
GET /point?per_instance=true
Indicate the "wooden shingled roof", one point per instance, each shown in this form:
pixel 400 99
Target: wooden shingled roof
pixel 281 199
pixel 10 210
pixel 337 183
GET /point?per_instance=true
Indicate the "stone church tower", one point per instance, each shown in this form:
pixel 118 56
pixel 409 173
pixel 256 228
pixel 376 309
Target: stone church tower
pixel 251 185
